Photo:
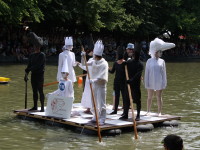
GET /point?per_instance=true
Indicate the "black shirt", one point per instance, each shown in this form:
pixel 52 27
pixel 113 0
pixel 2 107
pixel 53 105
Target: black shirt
pixel 36 63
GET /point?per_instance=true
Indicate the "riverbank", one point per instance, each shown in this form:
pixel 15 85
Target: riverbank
pixel 54 59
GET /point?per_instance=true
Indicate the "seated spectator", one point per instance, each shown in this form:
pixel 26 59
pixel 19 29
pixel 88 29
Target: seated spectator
pixel 173 142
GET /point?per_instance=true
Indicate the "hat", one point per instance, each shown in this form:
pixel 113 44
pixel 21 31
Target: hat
pixel 158 44
pixel 35 40
pixel 68 41
pixel 98 48
pixel 130 46
pixel 65 66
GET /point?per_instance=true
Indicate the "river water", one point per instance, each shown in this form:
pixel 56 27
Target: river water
pixel 181 98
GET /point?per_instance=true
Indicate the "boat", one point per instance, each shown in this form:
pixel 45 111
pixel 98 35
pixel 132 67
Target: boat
pixel 4 80
pixel 80 121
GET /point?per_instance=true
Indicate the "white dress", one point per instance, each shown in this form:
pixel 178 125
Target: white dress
pixel 65 89
pixel 155 74
pixel 66 54
pixel 86 100
pixel 100 71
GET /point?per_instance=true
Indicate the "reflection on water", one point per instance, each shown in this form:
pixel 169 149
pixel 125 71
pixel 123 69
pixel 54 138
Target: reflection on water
pixel 182 98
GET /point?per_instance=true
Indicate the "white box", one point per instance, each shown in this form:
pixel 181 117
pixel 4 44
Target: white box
pixel 58 106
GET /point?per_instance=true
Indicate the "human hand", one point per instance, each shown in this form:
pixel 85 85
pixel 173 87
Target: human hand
pixel 26 78
pixel 83 53
pixel 92 81
pixel 128 81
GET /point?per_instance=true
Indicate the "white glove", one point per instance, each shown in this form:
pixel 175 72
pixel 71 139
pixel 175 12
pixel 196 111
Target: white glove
pixel 76 63
pixel 93 80
pixel 83 53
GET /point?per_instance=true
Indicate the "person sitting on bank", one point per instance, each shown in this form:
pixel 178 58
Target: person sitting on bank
pixel 173 142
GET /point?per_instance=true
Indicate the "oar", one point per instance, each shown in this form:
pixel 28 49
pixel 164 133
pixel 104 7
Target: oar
pixel 26 94
pixel 93 98
pixel 131 102
pixel 51 83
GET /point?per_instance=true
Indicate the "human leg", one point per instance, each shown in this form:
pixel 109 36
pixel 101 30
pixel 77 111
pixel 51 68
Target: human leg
pixel 117 95
pixel 149 100
pixel 159 101
pixel 126 104
pixel 35 92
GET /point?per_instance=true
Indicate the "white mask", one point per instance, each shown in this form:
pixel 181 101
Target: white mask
pixel 64 74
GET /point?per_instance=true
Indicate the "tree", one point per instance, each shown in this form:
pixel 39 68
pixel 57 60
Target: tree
pixel 15 11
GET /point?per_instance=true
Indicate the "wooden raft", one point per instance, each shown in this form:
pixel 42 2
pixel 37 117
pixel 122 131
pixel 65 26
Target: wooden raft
pixel 82 120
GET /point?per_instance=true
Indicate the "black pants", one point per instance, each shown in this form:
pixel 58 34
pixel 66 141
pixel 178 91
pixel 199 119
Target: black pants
pixel 119 87
pixel 136 95
pixel 37 81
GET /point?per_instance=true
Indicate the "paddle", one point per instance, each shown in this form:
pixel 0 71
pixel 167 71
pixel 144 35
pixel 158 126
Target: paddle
pixel 131 102
pixel 26 90
pixel 51 83
pixel 92 92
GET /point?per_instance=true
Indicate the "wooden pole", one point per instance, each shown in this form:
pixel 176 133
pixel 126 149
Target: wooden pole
pixel 93 98
pixel 51 83
pixel 26 94
pixel 131 103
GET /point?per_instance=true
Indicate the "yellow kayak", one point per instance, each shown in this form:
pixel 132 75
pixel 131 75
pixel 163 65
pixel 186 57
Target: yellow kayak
pixel 4 80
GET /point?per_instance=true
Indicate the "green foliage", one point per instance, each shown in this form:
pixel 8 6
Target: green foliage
pixel 140 18
pixel 14 11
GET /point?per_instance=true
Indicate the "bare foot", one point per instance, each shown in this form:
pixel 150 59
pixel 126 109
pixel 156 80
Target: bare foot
pixel 159 114
pixel 148 114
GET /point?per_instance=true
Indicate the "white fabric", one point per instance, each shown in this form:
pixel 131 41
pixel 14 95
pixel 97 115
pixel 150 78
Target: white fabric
pixel 99 70
pixel 68 41
pixel 67 47
pixel 158 44
pixel 65 66
pixel 86 100
pixel 93 80
pixel 100 99
pixel 70 57
pixel 155 74
pixel 65 89
pixel 59 106
pixel 98 48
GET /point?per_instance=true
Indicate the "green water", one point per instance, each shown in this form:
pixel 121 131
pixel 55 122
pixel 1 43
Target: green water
pixel 181 98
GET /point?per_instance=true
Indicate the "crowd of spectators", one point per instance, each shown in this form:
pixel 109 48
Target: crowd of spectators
pixel 17 45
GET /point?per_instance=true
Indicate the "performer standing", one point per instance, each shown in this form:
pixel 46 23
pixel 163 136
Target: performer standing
pixel 119 80
pixel 99 79
pixel 86 100
pixel 70 57
pixel 36 64
pixel 135 68
pixel 155 72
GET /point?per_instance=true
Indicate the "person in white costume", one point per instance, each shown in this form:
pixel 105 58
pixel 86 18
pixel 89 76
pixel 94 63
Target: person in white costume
pixel 65 86
pixel 99 79
pixel 70 57
pixel 155 72
pixel 86 100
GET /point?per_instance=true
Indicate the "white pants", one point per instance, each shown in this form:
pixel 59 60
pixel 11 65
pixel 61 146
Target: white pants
pixel 100 99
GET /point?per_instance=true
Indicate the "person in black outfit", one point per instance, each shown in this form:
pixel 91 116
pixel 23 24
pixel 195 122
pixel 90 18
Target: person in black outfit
pixel 135 68
pixel 119 81
pixel 36 64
